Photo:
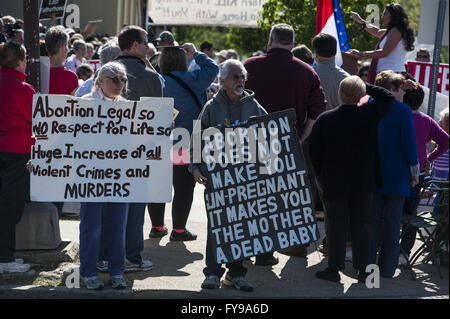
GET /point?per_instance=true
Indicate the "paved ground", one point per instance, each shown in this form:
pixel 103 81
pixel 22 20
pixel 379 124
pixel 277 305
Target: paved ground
pixel 178 273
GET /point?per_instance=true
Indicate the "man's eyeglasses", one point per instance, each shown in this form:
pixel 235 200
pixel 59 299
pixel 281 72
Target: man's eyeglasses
pixel 117 80
pixel 237 77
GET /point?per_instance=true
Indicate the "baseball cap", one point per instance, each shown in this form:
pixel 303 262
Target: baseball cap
pixel 222 54
pixel 166 36
pixel 70 31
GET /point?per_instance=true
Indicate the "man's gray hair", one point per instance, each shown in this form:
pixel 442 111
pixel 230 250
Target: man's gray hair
pixel 224 68
pixel 109 51
pixel 283 34
pixel 111 69
pixel 55 38
pixel 351 89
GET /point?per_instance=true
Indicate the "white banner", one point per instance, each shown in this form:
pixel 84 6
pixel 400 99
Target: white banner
pixel 238 13
pixel 101 151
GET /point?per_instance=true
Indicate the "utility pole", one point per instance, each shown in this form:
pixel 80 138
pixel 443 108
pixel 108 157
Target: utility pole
pixel 31 22
pixel 436 57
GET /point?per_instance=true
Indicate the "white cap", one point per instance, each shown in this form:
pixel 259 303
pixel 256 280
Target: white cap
pixel 222 54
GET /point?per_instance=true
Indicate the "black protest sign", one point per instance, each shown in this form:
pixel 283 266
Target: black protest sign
pixel 51 8
pixel 257 195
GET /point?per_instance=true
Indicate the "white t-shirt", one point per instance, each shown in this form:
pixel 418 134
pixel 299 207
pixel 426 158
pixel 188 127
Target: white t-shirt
pixel 395 61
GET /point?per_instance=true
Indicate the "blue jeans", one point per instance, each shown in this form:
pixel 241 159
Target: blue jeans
pixel 385 232
pixel 90 237
pixel 235 269
pixel 134 238
pixel 135 232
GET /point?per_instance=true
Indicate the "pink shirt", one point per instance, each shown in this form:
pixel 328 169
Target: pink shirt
pixel 428 130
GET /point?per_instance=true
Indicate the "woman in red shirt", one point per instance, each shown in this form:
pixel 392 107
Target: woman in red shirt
pixel 16 99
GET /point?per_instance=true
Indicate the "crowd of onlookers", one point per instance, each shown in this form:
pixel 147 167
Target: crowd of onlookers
pixel 363 138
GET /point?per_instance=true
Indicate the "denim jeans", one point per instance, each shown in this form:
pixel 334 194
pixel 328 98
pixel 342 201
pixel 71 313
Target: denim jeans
pixel 385 232
pixel 235 269
pixel 135 232
pixel 134 238
pixel 90 236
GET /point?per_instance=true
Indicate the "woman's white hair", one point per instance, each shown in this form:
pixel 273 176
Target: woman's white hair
pixel 109 51
pixel 224 69
pixel 111 69
pixel 444 113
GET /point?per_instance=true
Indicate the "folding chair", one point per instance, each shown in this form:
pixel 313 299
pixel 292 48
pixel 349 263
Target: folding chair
pixel 432 225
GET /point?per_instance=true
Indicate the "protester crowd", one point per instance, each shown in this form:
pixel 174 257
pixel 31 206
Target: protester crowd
pixel 364 141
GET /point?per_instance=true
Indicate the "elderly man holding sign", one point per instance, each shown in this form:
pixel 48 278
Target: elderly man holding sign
pixel 230 105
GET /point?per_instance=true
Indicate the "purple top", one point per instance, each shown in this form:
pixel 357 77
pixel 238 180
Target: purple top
pixel 427 130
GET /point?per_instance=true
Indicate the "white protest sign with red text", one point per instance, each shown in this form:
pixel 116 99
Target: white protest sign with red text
pixel 95 64
pixel 422 73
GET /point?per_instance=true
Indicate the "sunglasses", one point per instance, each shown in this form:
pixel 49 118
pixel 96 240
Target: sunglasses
pixel 117 80
pixel 423 57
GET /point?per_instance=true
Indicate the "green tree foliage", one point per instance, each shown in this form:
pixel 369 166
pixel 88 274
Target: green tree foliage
pixel 412 8
pixel 216 35
pixel 444 54
pixel 302 16
pixel 244 40
pixel 247 40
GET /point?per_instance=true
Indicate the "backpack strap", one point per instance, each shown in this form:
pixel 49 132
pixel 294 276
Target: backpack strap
pixel 186 87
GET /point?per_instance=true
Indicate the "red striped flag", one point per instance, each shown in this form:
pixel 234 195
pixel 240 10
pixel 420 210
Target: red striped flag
pixel 325 23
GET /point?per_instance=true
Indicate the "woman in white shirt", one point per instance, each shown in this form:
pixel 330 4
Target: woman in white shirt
pixel 393 44
pixel 77 58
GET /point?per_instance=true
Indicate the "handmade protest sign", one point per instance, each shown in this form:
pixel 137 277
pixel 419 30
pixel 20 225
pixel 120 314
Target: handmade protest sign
pixel 257 196
pixel 238 13
pixel 96 64
pixel 98 151
pixel 51 8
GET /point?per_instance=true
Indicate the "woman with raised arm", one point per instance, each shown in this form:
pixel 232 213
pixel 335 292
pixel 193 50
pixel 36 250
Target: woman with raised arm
pixel 187 88
pixel 393 44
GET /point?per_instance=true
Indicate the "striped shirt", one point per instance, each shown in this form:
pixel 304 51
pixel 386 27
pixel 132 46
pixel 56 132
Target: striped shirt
pixel 440 167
